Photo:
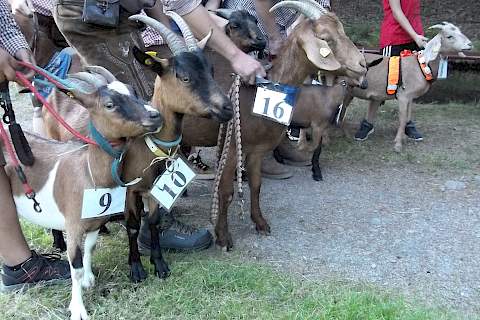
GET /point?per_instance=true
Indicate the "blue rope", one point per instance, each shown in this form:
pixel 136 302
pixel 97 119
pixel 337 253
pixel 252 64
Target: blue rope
pixel 167 144
pixel 107 147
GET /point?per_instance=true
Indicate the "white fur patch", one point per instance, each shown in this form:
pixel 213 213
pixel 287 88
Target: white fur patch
pixel 88 280
pixel 150 108
pixel 50 217
pixel 119 87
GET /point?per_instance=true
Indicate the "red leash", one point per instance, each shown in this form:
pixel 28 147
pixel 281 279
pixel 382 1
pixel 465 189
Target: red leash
pixel 54 113
pixel 29 193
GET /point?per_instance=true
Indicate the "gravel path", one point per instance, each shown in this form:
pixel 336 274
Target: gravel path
pixel 398 228
pixel 393 228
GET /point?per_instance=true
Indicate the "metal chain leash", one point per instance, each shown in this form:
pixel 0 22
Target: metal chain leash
pixel 225 135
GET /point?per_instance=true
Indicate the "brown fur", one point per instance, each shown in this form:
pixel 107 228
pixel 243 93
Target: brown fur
pixel 260 136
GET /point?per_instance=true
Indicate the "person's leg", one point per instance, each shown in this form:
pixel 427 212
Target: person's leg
pixel 13 246
pixel 107 47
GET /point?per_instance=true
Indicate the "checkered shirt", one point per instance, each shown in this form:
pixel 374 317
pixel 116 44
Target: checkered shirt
pixel 43 7
pixel 11 38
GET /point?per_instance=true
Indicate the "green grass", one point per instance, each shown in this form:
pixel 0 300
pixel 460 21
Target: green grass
pixel 451 145
pixel 207 285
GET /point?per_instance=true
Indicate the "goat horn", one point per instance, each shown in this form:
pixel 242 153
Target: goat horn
pixel 103 72
pixel 202 43
pixel 224 13
pixel 188 36
pixel 88 78
pixel 173 41
pixel 307 9
pixel 316 5
pixel 437 26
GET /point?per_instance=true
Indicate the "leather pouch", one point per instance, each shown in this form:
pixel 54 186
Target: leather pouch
pixel 104 13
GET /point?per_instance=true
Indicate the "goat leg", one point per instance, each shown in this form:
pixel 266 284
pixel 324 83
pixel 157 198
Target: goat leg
pixel 254 164
pixel 59 241
pixel 225 196
pixel 316 170
pixel 161 268
pixel 74 253
pixel 402 115
pixel 137 272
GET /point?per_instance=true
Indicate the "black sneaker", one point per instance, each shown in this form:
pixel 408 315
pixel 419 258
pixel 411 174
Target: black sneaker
pixel 366 129
pixel 411 131
pixel 175 236
pixel 43 269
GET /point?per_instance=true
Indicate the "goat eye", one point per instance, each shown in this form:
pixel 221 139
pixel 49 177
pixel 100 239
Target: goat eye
pixel 186 79
pixel 449 37
pixel 109 105
pixel 234 26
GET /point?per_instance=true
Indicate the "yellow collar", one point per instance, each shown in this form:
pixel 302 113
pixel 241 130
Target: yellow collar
pixel 157 151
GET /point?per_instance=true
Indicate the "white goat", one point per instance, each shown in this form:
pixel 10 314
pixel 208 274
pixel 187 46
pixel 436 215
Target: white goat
pixel 413 83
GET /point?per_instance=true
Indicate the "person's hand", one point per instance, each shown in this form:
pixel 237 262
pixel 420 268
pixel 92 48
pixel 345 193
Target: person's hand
pixel 420 40
pixel 7 66
pixel 26 56
pixel 247 67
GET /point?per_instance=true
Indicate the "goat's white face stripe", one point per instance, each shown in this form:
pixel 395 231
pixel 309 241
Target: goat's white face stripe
pixel 119 87
pixel 150 108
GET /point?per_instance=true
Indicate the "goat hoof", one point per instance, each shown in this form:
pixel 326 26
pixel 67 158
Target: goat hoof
pixel 225 244
pixel 317 177
pixel 78 312
pixel 104 230
pixel 161 268
pixel 137 272
pixel 88 280
pixel 263 229
pixel 60 246
pixel 398 148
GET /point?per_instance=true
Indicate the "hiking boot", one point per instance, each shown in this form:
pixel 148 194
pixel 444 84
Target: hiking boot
pixel 271 169
pixel 45 269
pixel 202 170
pixel 174 235
pixel 411 131
pixel 366 129
pixel 287 153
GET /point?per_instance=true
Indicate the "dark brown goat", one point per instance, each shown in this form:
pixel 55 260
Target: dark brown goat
pixel 299 58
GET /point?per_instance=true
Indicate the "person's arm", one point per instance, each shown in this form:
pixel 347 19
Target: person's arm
pixel 213 4
pixel 201 23
pixel 156 12
pixel 398 14
pixel 275 40
pixel 13 43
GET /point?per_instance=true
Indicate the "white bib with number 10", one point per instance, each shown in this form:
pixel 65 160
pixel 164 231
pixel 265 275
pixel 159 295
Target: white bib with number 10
pixel 170 185
pixel 103 202
pixel 272 104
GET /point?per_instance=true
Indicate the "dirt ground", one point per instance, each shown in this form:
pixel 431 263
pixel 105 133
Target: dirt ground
pixel 409 223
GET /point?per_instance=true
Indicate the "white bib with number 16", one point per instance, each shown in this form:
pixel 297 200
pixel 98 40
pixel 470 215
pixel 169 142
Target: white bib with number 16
pixel 170 185
pixel 272 104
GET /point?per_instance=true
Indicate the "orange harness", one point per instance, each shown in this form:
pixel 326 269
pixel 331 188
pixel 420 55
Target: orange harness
pixel 394 69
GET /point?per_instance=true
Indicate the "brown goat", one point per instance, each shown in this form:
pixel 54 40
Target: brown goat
pixel 299 58
pixel 62 171
pixel 184 86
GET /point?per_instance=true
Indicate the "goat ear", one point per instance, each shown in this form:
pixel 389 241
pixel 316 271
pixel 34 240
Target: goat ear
pixel 150 60
pixel 320 54
pixel 433 48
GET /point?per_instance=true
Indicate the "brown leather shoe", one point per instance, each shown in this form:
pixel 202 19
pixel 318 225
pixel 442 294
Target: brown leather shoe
pixel 271 169
pixel 288 153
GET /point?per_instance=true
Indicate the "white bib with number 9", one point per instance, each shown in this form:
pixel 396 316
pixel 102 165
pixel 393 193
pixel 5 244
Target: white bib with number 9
pixel 271 104
pixel 103 202
pixel 170 185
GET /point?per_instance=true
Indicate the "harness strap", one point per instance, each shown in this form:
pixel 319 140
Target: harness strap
pixel 152 144
pixel 393 74
pixel 427 72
